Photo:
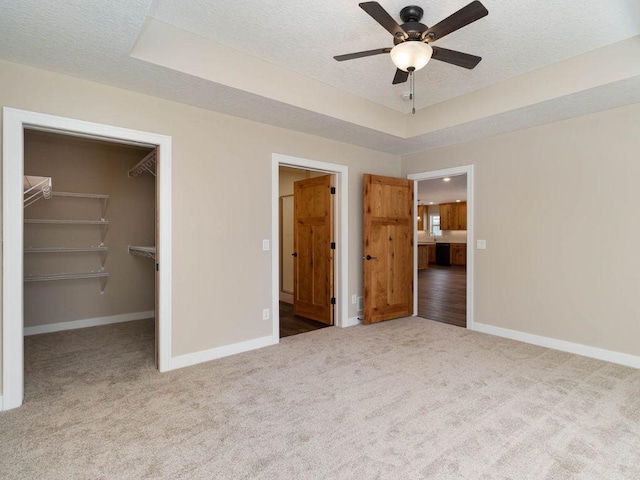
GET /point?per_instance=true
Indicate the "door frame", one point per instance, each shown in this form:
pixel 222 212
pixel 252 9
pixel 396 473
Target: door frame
pixel 15 121
pixel 434 174
pixel 341 230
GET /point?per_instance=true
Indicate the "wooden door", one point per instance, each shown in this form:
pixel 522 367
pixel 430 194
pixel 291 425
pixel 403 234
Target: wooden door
pixel 388 248
pixel 313 252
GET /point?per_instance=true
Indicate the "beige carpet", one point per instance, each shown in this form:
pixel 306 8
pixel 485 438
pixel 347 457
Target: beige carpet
pixel 406 399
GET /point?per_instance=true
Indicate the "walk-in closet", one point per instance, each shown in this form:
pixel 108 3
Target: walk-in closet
pixel 89 258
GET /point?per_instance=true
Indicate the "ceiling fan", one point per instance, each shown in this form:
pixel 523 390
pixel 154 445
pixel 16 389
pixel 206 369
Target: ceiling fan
pixel 412 39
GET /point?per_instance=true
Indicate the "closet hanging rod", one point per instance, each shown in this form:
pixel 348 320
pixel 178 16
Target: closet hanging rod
pixel 147 164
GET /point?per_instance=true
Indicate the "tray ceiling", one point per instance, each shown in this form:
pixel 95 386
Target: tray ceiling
pixel 555 60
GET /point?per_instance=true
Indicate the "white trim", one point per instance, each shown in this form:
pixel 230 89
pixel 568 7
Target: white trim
pixel 341 265
pixel 352 322
pixel 1 403
pixel 190 359
pixel 87 322
pixel 562 345
pixel 468 170
pixel 14 123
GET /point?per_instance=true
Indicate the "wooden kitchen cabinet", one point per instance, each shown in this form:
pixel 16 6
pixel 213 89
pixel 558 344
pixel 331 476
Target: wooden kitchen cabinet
pixel 423 256
pixel 432 254
pixel 423 217
pixel 453 216
pixel 458 254
pixel 462 215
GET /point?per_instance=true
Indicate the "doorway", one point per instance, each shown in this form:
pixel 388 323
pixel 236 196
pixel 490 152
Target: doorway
pixel 285 172
pixel 89 250
pixel 443 273
pixel 306 223
pixel 16 122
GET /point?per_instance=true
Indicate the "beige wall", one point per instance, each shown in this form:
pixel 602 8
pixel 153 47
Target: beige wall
pixel 221 197
pixel 85 166
pixel 558 207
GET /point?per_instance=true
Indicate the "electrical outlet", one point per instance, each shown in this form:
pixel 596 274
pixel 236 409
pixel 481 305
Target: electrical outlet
pixel 265 245
pixel 265 314
pixel 360 302
pixel 354 299
pixel 481 244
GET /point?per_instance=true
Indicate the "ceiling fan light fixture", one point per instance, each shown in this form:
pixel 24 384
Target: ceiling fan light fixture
pixel 411 55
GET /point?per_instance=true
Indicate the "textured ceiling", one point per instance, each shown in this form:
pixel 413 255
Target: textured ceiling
pixel 304 35
pixel 94 39
pixel 437 191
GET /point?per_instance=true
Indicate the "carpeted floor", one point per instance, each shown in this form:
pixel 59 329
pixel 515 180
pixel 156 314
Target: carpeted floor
pixel 406 399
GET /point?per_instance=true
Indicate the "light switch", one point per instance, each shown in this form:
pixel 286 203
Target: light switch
pixel 481 244
pixel 265 245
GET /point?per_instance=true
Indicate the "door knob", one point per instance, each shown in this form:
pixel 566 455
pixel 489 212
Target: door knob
pixel 369 257
pixel 294 254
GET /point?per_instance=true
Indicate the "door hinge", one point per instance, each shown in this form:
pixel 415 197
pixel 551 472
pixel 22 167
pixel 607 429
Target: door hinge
pixel 157 267
pixel 333 245
pixel 333 190
pixel 333 300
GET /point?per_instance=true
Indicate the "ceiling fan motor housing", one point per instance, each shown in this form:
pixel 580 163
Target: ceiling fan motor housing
pixel 411 17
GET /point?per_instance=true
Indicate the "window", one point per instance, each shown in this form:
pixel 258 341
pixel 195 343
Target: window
pixel 434 226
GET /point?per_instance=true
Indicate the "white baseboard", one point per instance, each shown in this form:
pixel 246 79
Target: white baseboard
pixel 1 409
pixel 352 322
pixel 87 322
pixel 226 350
pixel 577 348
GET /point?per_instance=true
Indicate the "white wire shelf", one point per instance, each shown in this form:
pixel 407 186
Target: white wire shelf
pixel 147 252
pixel 100 249
pixel 36 188
pixel 104 224
pixel 81 195
pixel 97 196
pixel 147 164
pixel 47 221
pixel 64 249
pixel 104 276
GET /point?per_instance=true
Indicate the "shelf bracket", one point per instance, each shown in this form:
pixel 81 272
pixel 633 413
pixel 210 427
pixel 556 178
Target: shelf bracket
pixel 103 232
pixel 147 164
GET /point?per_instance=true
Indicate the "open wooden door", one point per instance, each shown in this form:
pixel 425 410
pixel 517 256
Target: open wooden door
pixel 313 248
pixel 388 248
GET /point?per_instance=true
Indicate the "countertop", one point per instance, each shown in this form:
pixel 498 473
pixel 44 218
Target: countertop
pixel 435 243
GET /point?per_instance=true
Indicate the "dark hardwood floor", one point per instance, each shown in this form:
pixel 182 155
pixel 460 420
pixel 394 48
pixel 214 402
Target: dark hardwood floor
pixel 442 294
pixel 291 324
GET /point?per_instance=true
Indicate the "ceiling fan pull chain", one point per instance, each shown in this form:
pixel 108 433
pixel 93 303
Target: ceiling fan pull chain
pixel 412 93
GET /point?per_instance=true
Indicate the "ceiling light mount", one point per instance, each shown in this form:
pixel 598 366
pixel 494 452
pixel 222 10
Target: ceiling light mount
pixel 411 13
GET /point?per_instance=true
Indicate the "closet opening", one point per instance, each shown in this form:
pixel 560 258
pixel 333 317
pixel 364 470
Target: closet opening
pixel 89 250
pixel 16 124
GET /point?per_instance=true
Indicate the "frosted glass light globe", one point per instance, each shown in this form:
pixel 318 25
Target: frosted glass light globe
pixel 410 54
